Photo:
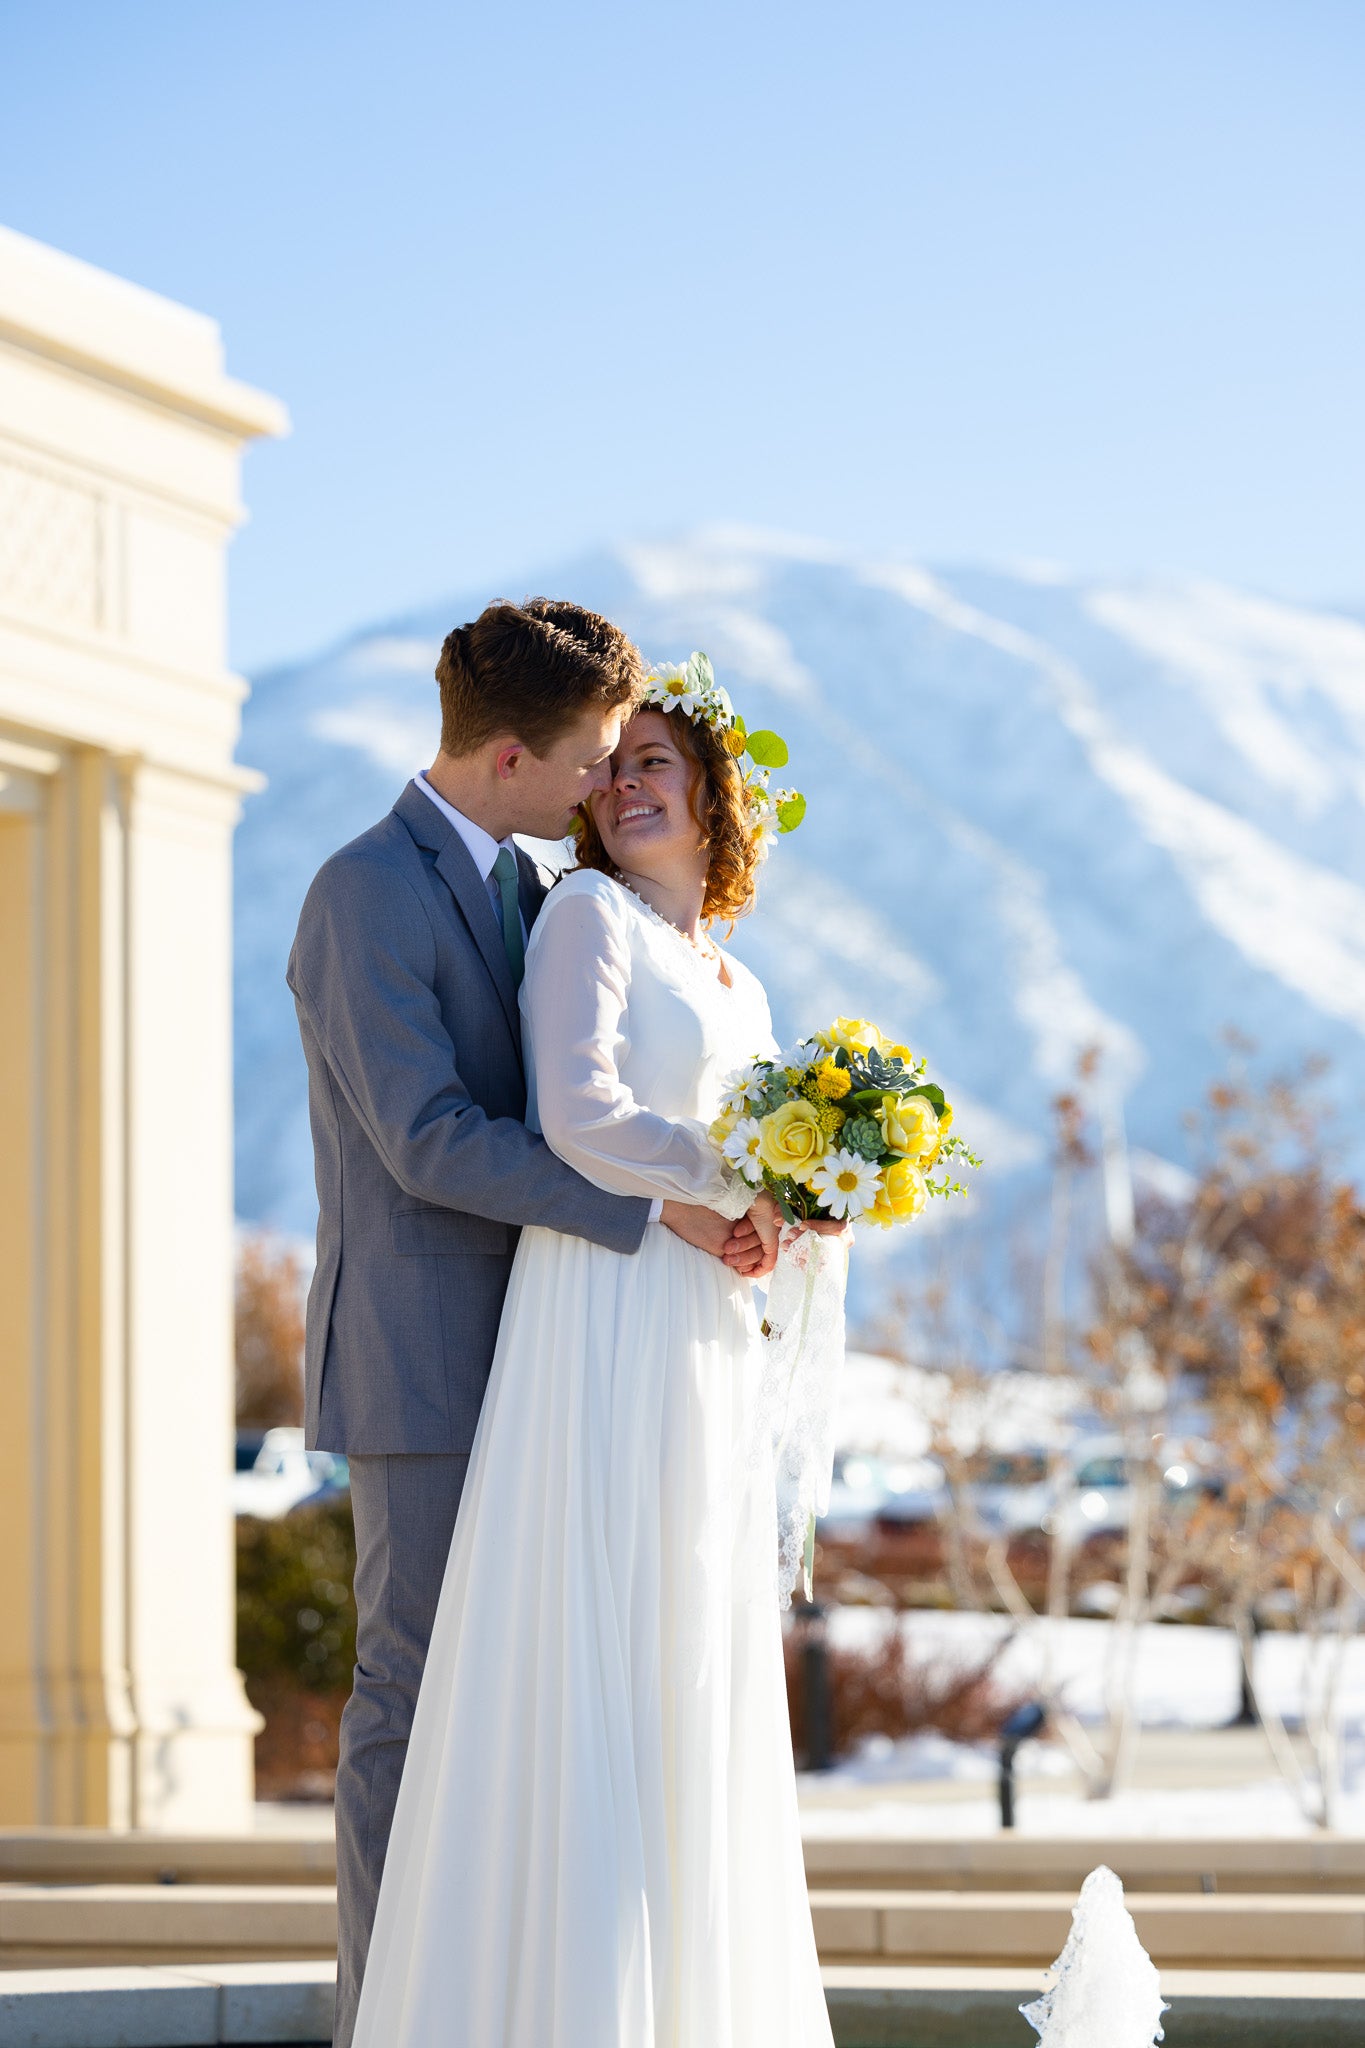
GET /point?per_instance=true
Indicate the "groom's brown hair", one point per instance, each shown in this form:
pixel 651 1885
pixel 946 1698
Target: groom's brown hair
pixel 530 669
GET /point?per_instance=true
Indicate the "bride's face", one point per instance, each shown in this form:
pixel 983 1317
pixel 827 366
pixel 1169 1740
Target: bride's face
pixel 645 818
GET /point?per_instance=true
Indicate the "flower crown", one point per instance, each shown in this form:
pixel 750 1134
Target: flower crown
pixel 693 690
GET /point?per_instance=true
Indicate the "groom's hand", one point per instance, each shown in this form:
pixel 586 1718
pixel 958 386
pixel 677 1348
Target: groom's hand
pixel 752 1249
pixel 738 1244
pixel 748 1251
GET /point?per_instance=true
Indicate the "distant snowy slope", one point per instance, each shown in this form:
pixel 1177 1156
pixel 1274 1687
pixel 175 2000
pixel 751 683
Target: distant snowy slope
pixel 1045 814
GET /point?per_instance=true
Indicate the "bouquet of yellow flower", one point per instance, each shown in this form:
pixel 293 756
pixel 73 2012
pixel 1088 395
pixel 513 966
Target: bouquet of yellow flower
pixel 842 1126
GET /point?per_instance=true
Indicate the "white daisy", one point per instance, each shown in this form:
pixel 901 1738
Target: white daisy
pixel 805 1054
pixel 846 1184
pixel 669 689
pixel 741 1149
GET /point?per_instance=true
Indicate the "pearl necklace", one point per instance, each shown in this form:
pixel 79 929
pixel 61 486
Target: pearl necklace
pixel 703 947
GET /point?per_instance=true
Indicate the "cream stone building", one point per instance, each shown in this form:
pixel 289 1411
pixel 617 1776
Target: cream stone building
pixel 120 449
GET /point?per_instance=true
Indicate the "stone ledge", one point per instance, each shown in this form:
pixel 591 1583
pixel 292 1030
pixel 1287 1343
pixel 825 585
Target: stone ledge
pixel 946 2008
pixel 210 2006
pixel 197 2006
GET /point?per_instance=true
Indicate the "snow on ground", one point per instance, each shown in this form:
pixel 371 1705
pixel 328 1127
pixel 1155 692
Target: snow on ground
pixel 891 1409
pixel 1187 1677
pixel 1187 1680
pixel 1264 1807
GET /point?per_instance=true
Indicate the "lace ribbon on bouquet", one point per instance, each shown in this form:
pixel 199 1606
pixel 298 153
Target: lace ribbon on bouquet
pixel 802 1368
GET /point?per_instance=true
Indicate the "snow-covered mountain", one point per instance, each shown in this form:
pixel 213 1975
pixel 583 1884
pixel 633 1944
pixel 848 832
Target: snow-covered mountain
pixel 1045 814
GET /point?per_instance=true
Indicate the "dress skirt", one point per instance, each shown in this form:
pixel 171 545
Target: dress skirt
pixel 596 1843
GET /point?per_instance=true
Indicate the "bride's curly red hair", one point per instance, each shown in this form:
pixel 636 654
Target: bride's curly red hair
pixel 722 814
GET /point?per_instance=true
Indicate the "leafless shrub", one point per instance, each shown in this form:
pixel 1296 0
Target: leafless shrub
pixel 883 1689
pixel 269 1312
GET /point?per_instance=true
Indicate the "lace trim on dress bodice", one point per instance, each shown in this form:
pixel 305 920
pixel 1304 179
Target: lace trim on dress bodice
pixel 705 969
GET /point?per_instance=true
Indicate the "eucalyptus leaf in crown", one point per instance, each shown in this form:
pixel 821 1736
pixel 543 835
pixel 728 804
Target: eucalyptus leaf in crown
pixel 693 690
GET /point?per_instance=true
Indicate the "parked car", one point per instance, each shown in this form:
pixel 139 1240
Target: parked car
pixel 916 1494
pixel 857 1490
pixel 1095 1498
pixel 283 1475
pixel 1011 1491
pixel 249 1443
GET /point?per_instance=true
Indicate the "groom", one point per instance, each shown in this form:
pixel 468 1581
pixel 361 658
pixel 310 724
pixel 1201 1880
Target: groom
pixel 405 971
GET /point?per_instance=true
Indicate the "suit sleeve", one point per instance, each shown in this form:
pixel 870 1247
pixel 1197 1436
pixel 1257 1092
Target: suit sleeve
pixel 363 972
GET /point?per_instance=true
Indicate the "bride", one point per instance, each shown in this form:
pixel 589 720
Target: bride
pixel 596 1843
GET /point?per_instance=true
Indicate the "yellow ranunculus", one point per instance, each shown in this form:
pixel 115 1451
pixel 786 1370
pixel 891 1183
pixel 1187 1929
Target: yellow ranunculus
pixel 832 1081
pixel 945 1117
pixel 902 1195
pixel 723 1125
pixel 900 1052
pixel 793 1141
pixel 910 1125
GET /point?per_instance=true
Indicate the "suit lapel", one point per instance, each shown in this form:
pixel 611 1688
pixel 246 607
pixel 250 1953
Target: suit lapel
pixel 456 868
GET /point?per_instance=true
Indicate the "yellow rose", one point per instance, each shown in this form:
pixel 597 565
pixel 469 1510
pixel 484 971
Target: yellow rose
pixel 832 1081
pixel 854 1034
pixel 793 1141
pixel 945 1117
pixel 910 1125
pixel 900 1052
pixel 901 1196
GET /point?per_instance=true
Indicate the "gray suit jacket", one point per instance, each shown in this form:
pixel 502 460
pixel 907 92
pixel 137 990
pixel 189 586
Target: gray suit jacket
pixel 425 1169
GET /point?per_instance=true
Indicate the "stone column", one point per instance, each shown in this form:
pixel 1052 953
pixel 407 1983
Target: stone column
pixel 120 446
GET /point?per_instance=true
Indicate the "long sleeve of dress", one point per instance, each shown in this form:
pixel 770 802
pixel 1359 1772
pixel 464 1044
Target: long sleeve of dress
pixel 575 1001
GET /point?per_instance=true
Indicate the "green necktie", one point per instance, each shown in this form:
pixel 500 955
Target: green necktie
pixel 505 875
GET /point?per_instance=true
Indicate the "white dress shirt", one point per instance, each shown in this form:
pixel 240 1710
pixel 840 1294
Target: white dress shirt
pixel 483 850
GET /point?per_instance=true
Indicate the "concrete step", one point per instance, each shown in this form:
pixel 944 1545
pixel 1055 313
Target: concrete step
pixel 995 1928
pixel 1314 1863
pixel 105 1856
pixel 1009 1862
pixel 201 2005
pixel 48 1926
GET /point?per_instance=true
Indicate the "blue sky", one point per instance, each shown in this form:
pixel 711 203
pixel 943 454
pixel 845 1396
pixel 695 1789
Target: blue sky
pixel 984 281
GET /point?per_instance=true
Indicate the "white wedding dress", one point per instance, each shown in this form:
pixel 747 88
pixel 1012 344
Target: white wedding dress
pixel 596 1843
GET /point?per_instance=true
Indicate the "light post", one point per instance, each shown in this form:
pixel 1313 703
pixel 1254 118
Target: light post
pixel 1022 1725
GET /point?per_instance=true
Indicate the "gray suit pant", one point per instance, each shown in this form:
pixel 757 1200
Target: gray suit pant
pixel 404 1517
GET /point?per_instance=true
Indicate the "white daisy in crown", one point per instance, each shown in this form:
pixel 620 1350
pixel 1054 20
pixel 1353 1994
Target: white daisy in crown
pixel 691 687
pixel 671 688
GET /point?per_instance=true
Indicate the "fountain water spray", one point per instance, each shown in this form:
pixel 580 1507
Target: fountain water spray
pixel 1105 1986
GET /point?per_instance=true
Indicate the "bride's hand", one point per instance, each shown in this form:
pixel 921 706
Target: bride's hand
pixel 828 1226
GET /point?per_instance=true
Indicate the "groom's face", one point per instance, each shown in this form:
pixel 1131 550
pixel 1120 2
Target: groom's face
pixel 550 787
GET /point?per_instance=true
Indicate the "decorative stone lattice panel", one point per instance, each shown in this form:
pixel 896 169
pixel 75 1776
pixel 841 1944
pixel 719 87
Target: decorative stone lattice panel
pixel 51 547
